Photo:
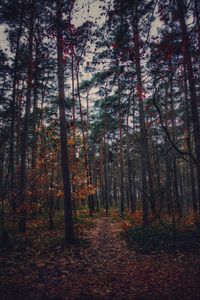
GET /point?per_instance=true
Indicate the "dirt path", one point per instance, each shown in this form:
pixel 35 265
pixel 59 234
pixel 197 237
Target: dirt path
pixel 103 270
pixel 107 260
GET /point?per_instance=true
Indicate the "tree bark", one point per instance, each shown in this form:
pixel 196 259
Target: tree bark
pixel 11 167
pixel 121 157
pixel 69 226
pixel 24 139
pixel 192 88
pixel 189 144
pixel 143 136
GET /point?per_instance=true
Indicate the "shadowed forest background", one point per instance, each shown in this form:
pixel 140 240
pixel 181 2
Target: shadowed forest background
pixel 100 149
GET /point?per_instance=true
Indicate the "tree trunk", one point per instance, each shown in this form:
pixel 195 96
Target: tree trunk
pixel 189 143
pixel 129 179
pixel 35 109
pixel 173 119
pixel 192 87
pixel 121 156
pixel 24 139
pixel 69 228
pixel 87 167
pixel 11 167
pixel 143 134
pixel 106 173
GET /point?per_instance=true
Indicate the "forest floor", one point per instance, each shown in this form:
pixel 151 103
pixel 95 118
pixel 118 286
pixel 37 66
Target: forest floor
pixel 101 268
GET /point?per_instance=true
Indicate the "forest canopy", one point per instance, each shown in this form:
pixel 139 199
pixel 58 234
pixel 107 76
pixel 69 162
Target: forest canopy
pixel 99 110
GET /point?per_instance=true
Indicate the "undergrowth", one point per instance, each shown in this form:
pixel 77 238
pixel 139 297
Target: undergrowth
pixel 162 238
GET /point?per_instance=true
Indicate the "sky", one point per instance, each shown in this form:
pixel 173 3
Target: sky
pixel 84 10
pixel 88 10
pixel 81 14
pixel 3 41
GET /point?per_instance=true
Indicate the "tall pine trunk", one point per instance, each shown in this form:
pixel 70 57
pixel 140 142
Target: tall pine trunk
pixel 11 167
pixel 189 144
pixel 121 156
pixel 24 138
pixel 69 228
pixel 192 88
pixel 143 134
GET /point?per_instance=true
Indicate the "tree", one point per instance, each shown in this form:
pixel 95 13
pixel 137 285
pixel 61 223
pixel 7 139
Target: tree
pixel 23 173
pixel 69 228
pixel 192 88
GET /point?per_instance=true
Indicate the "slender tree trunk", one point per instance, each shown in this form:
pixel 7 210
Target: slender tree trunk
pixel 90 199
pixel 51 208
pixel 121 156
pixel 192 87
pixel 189 143
pixel 173 119
pixel 89 152
pixel 101 176
pixel 170 203
pixel 114 186
pixel 95 178
pixel 18 131
pixel 73 128
pixel 11 167
pixel 69 228
pixel 129 179
pixel 143 134
pixel 24 139
pixel 35 109
pixel 133 171
pixel 106 174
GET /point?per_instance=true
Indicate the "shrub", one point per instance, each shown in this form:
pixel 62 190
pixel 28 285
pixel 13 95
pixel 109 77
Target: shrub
pixel 151 238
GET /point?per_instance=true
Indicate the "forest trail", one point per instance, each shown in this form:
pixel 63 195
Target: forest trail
pixel 103 269
pixel 106 262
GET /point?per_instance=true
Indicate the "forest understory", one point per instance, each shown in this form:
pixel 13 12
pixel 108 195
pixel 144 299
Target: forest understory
pixel 98 266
